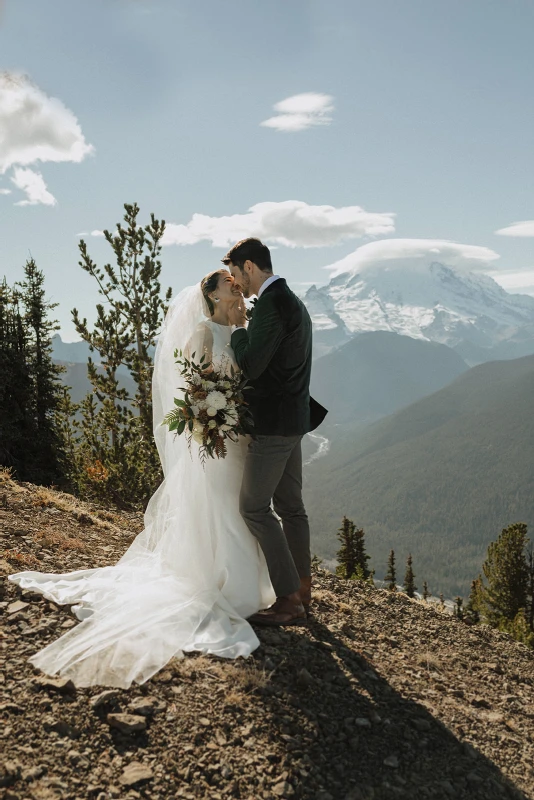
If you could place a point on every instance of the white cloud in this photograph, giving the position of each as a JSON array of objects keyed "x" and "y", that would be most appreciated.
[
  {"x": 521, "y": 282},
  {"x": 5, "y": 191},
  {"x": 97, "y": 233},
  {"x": 525, "y": 228},
  {"x": 33, "y": 184},
  {"x": 301, "y": 111},
  {"x": 35, "y": 127},
  {"x": 291, "y": 223},
  {"x": 408, "y": 254}
]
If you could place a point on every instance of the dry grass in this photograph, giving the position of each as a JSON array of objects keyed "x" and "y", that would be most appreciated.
[
  {"x": 48, "y": 498},
  {"x": 428, "y": 660},
  {"x": 248, "y": 678},
  {"x": 56, "y": 539},
  {"x": 48, "y": 538},
  {"x": 8, "y": 482},
  {"x": 21, "y": 559}
]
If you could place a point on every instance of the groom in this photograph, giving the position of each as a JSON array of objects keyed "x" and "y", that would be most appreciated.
[{"x": 275, "y": 353}]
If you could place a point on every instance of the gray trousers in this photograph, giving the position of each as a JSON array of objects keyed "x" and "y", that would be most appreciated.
[{"x": 273, "y": 471}]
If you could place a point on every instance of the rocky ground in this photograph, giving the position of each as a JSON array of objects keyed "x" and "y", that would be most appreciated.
[{"x": 381, "y": 697}]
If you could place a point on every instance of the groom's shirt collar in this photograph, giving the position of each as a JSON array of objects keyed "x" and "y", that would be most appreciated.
[{"x": 267, "y": 283}]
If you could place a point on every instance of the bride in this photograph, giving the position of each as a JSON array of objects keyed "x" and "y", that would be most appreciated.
[{"x": 195, "y": 573}]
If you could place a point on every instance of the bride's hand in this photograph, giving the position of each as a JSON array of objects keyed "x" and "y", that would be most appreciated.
[{"x": 237, "y": 314}]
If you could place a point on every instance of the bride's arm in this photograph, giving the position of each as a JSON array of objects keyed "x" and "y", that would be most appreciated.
[{"x": 200, "y": 344}]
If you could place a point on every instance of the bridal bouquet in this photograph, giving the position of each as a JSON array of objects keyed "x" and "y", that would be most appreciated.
[{"x": 213, "y": 409}]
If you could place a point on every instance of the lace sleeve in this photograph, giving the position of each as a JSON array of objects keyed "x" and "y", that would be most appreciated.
[{"x": 200, "y": 344}]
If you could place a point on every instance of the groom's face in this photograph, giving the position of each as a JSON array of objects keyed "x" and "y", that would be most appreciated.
[{"x": 241, "y": 280}]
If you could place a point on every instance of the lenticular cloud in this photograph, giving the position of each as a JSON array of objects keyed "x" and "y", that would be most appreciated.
[
  {"x": 413, "y": 255},
  {"x": 35, "y": 127}
]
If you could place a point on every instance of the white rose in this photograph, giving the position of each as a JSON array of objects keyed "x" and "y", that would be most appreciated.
[
  {"x": 216, "y": 400},
  {"x": 208, "y": 385},
  {"x": 225, "y": 427},
  {"x": 212, "y": 424},
  {"x": 195, "y": 410},
  {"x": 212, "y": 412}
]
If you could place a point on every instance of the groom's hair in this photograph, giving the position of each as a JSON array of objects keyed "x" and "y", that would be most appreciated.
[{"x": 249, "y": 250}]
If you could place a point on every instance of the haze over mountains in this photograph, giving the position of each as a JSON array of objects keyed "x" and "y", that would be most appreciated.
[
  {"x": 439, "y": 478},
  {"x": 375, "y": 374}
]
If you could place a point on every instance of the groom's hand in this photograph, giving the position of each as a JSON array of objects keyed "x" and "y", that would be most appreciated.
[{"x": 237, "y": 315}]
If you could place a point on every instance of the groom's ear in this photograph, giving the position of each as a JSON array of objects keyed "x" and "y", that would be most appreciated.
[{"x": 248, "y": 266}]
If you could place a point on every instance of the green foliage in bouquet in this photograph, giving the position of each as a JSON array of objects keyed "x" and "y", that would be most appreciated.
[{"x": 213, "y": 408}]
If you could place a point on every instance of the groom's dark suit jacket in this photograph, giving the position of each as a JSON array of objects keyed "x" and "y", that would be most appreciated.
[{"x": 275, "y": 354}]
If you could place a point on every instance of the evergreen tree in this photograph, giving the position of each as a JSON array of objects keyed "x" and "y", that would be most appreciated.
[
  {"x": 30, "y": 389},
  {"x": 441, "y": 600},
  {"x": 44, "y": 374},
  {"x": 409, "y": 579},
  {"x": 459, "y": 608},
  {"x": 507, "y": 573},
  {"x": 426, "y": 593},
  {"x": 472, "y": 609},
  {"x": 530, "y": 606},
  {"x": 391, "y": 577},
  {"x": 346, "y": 555},
  {"x": 17, "y": 429},
  {"x": 117, "y": 432},
  {"x": 352, "y": 558},
  {"x": 362, "y": 571}
]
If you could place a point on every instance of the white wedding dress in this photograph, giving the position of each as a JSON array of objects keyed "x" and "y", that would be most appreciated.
[{"x": 193, "y": 575}]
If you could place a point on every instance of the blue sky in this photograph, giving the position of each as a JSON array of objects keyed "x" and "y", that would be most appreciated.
[{"x": 426, "y": 115}]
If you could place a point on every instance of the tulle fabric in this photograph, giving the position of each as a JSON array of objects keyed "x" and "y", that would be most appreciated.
[{"x": 193, "y": 575}]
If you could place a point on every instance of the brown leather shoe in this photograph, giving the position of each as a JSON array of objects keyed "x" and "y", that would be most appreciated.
[
  {"x": 305, "y": 593},
  {"x": 282, "y": 613}
]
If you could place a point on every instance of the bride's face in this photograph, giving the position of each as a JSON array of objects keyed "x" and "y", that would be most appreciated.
[
  {"x": 242, "y": 280},
  {"x": 227, "y": 290}
]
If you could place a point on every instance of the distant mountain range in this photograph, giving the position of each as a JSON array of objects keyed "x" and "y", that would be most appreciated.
[
  {"x": 439, "y": 478},
  {"x": 467, "y": 311},
  {"x": 375, "y": 374}
]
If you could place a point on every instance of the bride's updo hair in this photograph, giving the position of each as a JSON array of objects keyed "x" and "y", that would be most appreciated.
[{"x": 208, "y": 285}]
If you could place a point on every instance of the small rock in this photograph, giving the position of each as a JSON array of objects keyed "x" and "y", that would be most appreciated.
[
  {"x": 474, "y": 778},
  {"x": 421, "y": 724},
  {"x": 376, "y": 718},
  {"x": 33, "y": 773},
  {"x": 127, "y": 723},
  {"x": 304, "y": 678},
  {"x": 146, "y": 706},
  {"x": 17, "y": 605},
  {"x": 62, "y": 728},
  {"x": 69, "y": 623},
  {"x": 135, "y": 773},
  {"x": 108, "y": 697},
  {"x": 480, "y": 702},
  {"x": 62, "y": 685},
  {"x": 10, "y": 772},
  {"x": 204, "y": 721},
  {"x": 283, "y": 789},
  {"x": 362, "y": 722},
  {"x": 391, "y": 761}
]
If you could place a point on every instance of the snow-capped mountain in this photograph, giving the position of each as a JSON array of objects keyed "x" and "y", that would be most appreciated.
[{"x": 435, "y": 302}]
